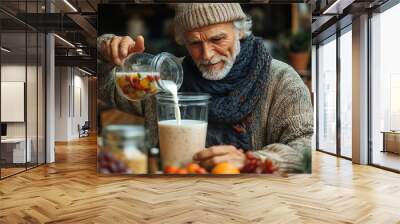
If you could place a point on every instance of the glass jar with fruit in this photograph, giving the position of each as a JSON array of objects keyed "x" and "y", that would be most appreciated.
[
  {"x": 123, "y": 151},
  {"x": 143, "y": 74}
]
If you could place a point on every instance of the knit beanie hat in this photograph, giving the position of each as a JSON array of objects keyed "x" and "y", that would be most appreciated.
[{"x": 189, "y": 16}]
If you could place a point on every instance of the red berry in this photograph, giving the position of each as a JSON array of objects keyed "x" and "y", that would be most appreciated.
[
  {"x": 150, "y": 78},
  {"x": 268, "y": 166}
]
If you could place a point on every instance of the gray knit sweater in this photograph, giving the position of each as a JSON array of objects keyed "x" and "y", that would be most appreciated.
[{"x": 284, "y": 115}]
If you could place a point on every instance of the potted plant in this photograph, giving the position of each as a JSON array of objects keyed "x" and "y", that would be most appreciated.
[{"x": 299, "y": 48}]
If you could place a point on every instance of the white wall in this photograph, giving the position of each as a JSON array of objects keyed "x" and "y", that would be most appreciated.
[
  {"x": 71, "y": 93},
  {"x": 12, "y": 73},
  {"x": 33, "y": 127},
  {"x": 16, "y": 73},
  {"x": 61, "y": 103}
]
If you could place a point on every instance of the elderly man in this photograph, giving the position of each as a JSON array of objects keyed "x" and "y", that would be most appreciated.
[{"x": 258, "y": 104}]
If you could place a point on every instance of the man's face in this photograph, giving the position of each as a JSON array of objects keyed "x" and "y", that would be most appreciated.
[{"x": 213, "y": 48}]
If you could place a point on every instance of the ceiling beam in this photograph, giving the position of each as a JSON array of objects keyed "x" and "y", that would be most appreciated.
[
  {"x": 89, "y": 30},
  {"x": 78, "y": 61}
]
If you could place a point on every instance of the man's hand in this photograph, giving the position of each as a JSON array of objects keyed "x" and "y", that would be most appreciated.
[
  {"x": 118, "y": 48},
  {"x": 217, "y": 154}
]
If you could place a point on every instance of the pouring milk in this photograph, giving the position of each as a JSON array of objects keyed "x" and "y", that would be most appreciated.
[{"x": 173, "y": 89}]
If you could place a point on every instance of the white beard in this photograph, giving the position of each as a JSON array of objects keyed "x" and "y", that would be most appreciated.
[{"x": 213, "y": 74}]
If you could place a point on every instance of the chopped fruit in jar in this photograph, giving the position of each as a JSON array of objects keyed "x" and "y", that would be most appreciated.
[
  {"x": 145, "y": 83},
  {"x": 153, "y": 88},
  {"x": 123, "y": 82},
  {"x": 136, "y": 85},
  {"x": 131, "y": 75},
  {"x": 150, "y": 78}
]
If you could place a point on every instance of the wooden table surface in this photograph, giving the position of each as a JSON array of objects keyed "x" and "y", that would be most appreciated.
[{"x": 70, "y": 191}]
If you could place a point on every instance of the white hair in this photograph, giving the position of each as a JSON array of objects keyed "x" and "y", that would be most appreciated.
[{"x": 242, "y": 25}]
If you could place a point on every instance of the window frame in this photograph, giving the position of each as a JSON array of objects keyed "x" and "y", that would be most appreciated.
[
  {"x": 347, "y": 27},
  {"x": 381, "y": 9}
]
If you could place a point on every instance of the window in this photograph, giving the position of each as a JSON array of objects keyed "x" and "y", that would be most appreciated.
[
  {"x": 385, "y": 88},
  {"x": 346, "y": 93},
  {"x": 22, "y": 77},
  {"x": 327, "y": 96}
]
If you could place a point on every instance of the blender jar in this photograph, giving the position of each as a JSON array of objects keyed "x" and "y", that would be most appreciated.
[
  {"x": 180, "y": 141},
  {"x": 143, "y": 74}
]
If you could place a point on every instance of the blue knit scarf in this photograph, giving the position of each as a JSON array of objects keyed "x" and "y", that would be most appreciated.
[{"x": 234, "y": 97}]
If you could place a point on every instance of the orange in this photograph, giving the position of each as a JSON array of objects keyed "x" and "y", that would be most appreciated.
[
  {"x": 170, "y": 170},
  {"x": 192, "y": 167},
  {"x": 225, "y": 168},
  {"x": 182, "y": 171}
]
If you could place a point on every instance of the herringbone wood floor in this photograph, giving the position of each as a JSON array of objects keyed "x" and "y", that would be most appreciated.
[{"x": 70, "y": 191}]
